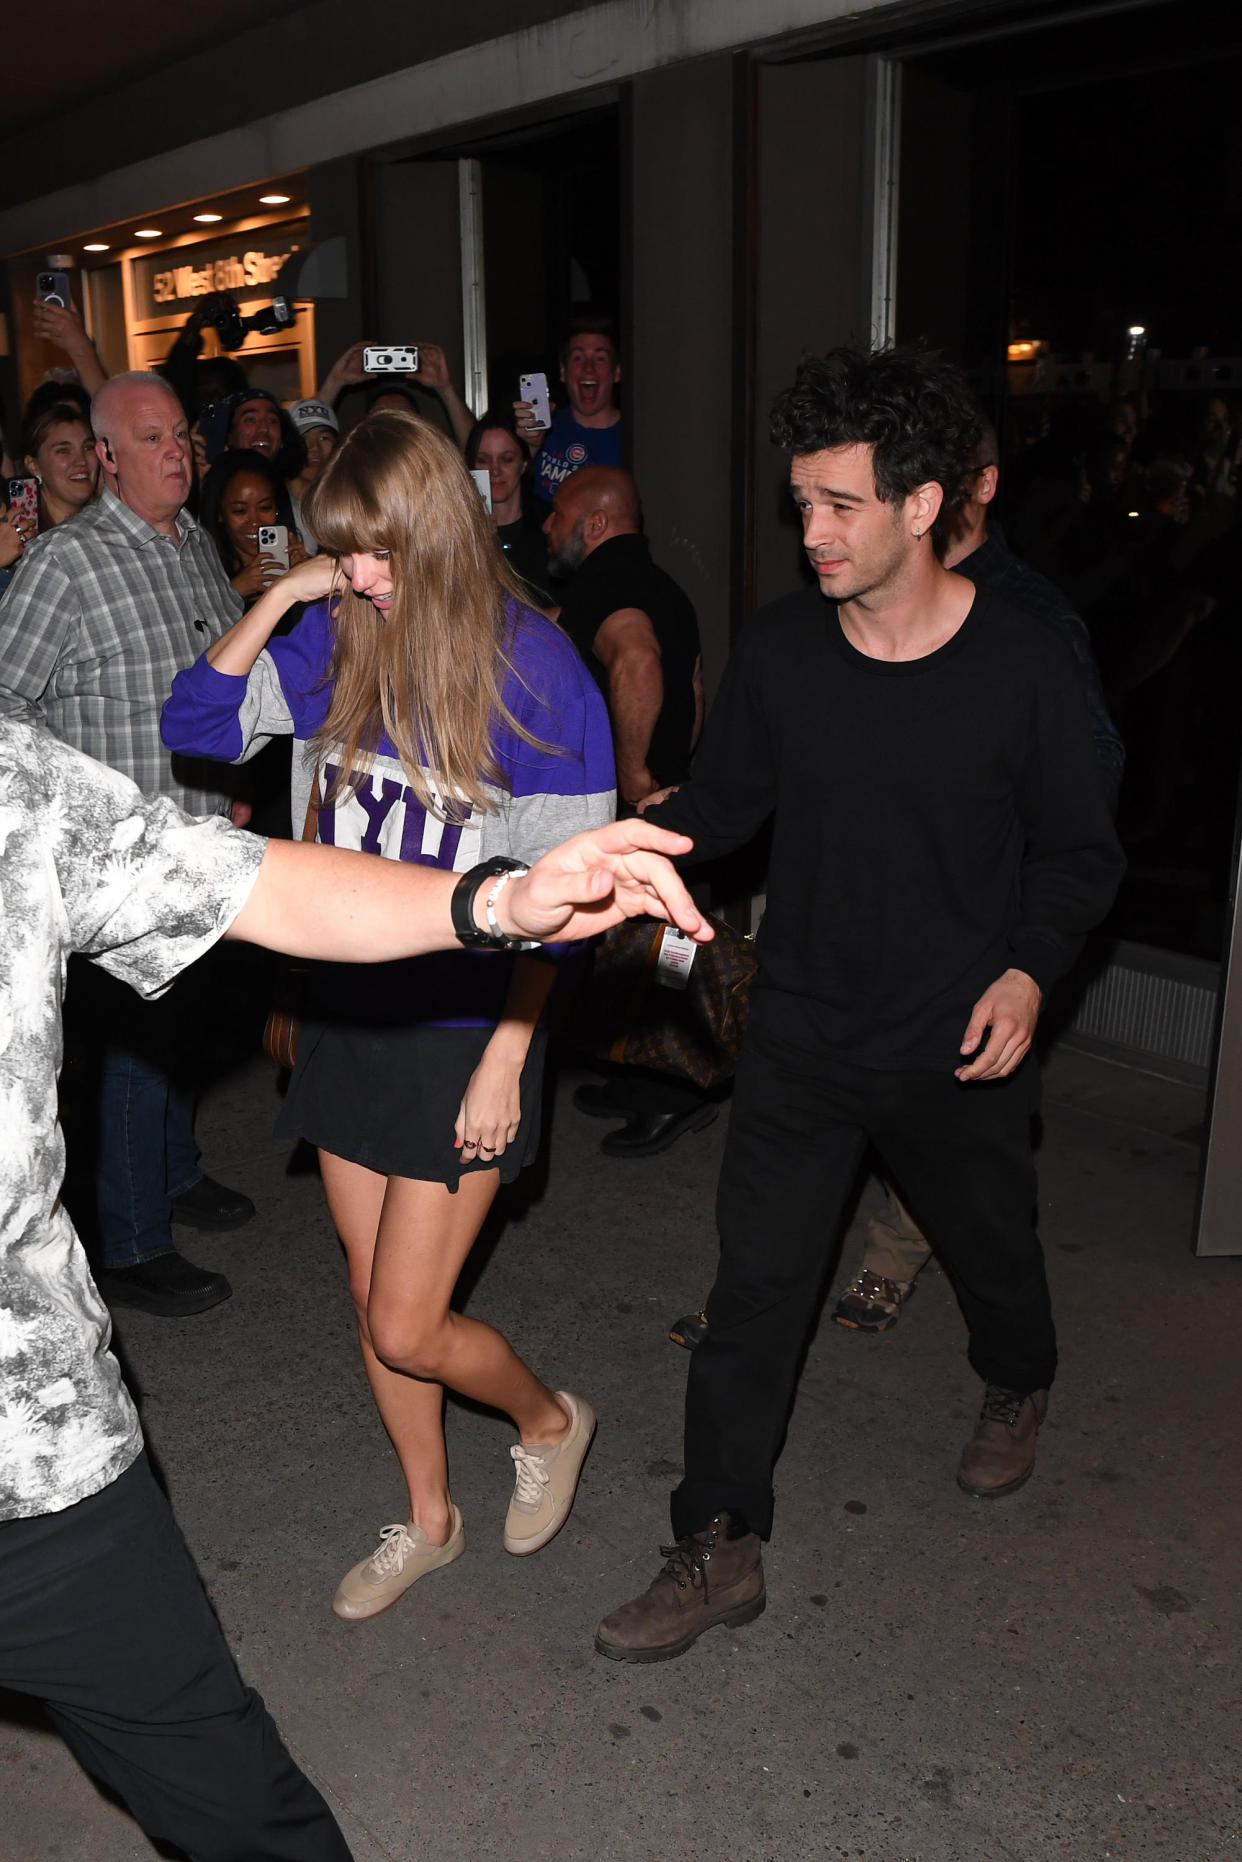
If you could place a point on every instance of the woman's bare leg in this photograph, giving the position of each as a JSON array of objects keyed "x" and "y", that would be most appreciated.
[
  {"x": 406, "y": 1242},
  {"x": 412, "y": 1411},
  {"x": 425, "y": 1233}
]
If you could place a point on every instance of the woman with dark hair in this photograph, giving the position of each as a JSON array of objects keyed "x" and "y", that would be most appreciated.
[
  {"x": 241, "y": 492},
  {"x": 437, "y": 719},
  {"x": 494, "y": 447},
  {"x": 58, "y": 448}
]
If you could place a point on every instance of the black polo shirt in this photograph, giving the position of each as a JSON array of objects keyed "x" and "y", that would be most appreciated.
[{"x": 620, "y": 574}]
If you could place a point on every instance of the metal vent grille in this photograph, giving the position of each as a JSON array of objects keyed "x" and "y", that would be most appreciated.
[{"x": 1138, "y": 1004}]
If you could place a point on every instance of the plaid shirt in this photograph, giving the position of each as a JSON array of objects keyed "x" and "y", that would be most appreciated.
[{"x": 101, "y": 615}]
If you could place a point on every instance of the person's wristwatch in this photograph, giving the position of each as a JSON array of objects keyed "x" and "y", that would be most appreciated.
[{"x": 498, "y": 871}]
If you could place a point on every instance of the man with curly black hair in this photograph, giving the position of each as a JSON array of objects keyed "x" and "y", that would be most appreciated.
[{"x": 941, "y": 845}]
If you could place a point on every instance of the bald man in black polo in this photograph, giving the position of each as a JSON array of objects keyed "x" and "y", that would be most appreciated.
[{"x": 637, "y": 631}]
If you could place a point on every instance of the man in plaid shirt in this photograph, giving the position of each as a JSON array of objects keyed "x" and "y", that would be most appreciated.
[{"x": 103, "y": 612}]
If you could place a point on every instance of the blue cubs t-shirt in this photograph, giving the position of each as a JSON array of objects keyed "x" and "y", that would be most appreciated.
[{"x": 567, "y": 447}]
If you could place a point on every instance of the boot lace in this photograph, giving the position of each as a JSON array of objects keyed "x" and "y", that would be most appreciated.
[
  {"x": 532, "y": 1476},
  {"x": 1002, "y": 1405},
  {"x": 395, "y": 1546},
  {"x": 689, "y": 1558}
]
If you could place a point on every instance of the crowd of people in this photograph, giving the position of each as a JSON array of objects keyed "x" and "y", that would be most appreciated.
[
  {"x": 461, "y": 690},
  {"x": 1133, "y": 510}
]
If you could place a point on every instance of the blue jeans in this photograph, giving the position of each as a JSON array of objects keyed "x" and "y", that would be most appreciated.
[
  {"x": 147, "y": 1061},
  {"x": 147, "y": 1154}
]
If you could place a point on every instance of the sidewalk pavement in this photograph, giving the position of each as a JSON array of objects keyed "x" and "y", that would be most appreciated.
[{"x": 936, "y": 1679}]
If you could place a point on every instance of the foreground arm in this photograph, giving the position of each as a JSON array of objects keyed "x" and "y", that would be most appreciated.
[{"x": 312, "y": 901}]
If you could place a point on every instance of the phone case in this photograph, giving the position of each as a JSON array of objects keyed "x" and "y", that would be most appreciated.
[
  {"x": 59, "y": 291},
  {"x": 24, "y": 499},
  {"x": 274, "y": 541}
]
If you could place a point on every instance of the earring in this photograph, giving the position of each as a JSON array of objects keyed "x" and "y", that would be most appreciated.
[{"x": 917, "y": 535}]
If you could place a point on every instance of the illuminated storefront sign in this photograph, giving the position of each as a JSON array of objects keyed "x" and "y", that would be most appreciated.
[{"x": 165, "y": 283}]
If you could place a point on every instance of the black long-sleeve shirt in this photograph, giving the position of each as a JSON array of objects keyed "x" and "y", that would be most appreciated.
[
  {"x": 994, "y": 565},
  {"x": 935, "y": 822}
]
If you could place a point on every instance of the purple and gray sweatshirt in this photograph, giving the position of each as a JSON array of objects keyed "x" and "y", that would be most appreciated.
[{"x": 547, "y": 794}]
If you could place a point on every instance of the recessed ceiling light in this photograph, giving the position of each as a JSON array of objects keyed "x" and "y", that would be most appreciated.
[
  {"x": 96, "y": 247},
  {"x": 148, "y": 232},
  {"x": 208, "y": 219},
  {"x": 275, "y": 200}
]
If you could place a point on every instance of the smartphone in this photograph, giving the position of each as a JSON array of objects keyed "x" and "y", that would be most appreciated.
[
  {"x": 53, "y": 288},
  {"x": 534, "y": 388},
  {"x": 483, "y": 479},
  {"x": 274, "y": 541},
  {"x": 24, "y": 500},
  {"x": 396, "y": 359}
]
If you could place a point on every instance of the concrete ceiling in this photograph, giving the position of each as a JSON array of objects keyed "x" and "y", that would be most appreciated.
[{"x": 101, "y": 48}]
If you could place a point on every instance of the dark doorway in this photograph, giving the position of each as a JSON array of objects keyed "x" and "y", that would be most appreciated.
[{"x": 551, "y": 239}]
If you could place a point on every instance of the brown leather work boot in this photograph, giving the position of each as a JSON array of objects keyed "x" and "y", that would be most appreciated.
[
  {"x": 1001, "y": 1453},
  {"x": 709, "y": 1579}
]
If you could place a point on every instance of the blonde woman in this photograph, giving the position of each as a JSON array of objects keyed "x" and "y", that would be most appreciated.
[{"x": 436, "y": 719}]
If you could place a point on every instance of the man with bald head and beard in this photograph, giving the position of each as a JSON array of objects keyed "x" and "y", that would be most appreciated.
[
  {"x": 101, "y": 615},
  {"x": 634, "y": 627},
  {"x": 639, "y": 636}
]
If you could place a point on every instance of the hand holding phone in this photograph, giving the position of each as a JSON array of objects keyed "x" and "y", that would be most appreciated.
[
  {"x": 534, "y": 392},
  {"x": 53, "y": 288},
  {"x": 11, "y": 544},
  {"x": 24, "y": 507},
  {"x": 391, "y": 359}
]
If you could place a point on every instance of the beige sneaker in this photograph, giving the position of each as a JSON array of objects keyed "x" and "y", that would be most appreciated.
[
  {"x": 547, "y": 1480},
  {"x": 401, "y": 1558}
]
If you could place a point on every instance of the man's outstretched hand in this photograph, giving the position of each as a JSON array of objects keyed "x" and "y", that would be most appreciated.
[
  {"x": 598, "y": 879},
  {"x": 1010, "y": 1008}
]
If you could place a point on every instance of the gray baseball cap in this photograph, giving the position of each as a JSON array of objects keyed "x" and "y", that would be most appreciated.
[{"x": 308, "y": 414}]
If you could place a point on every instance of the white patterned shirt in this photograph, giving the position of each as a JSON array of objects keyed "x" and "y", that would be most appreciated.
[
  {"x": 102, "y": 614},
  {"x": 87, "y": 864}
]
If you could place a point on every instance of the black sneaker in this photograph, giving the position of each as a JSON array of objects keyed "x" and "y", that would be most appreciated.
[
  {"x": 168, "y": 1286},
  {"x": 208, "y": 1204}
]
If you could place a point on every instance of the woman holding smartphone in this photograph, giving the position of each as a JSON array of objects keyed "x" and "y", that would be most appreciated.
[
  {"x": 436, "y": 719},
  {"x": 58, "y": 450},
  {"x": 242, "y": 493}
]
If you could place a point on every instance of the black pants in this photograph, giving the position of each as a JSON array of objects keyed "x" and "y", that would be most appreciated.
[
  {"x": 104, "y": 1619},
  {"x": 961, "y": 1156}
]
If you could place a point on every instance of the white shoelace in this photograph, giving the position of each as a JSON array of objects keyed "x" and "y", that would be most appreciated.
[
  {"x": 532, "y": 1476},
  {"x": 395, "y": 1546}
]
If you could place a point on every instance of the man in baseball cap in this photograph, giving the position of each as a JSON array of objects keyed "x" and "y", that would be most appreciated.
[{"x": 319, "y": 431}]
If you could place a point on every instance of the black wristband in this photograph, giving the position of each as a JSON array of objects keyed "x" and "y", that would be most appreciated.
[{"x": 461, "y": 905}]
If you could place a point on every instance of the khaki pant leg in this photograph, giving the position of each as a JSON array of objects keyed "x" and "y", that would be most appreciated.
[{"x": 896, "y": 1248}]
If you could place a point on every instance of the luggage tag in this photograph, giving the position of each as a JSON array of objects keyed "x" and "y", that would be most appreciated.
[{"x": 675, "y": 958}]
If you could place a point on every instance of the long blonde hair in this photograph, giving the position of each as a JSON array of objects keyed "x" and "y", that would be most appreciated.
[{"x": 430, "y": 673}]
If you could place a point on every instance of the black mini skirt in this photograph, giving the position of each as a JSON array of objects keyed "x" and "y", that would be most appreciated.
[{"x": 388, "y": 1098}]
